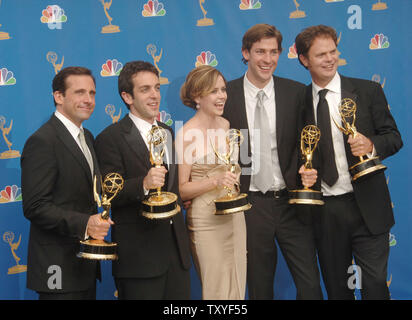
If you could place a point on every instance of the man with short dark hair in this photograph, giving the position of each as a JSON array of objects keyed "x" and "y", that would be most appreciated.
[
  {"x": 58, "y": 163},
  {"x": 269, "y": 107},
  {"x": 154, "y": 256},
  {"x": 357, "y": 215}
]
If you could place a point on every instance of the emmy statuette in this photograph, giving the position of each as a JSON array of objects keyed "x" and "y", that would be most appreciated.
[
  {"x": 347, "y": 111},
  {"x": 309, "y": 139},
  {"x": 231, "y": 203},
  {"x": 100, "y": 249},
  {"x": 159, "y": 204}
]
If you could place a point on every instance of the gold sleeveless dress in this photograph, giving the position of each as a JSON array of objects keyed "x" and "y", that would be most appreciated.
[{"x": 218, "y": 242}]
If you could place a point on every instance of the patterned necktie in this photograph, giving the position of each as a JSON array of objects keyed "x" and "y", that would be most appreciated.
[
  {"x": 329, "y": 172},
  {"x": 86, "y": 150},
  {"x": 263, "y": 178}
]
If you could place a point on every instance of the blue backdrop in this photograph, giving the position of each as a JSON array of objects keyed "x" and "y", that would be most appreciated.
[{"x": 38, "y": 38}]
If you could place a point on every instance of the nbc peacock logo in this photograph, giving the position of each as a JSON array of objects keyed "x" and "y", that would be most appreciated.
[
  {"x": 379, "y": 41},
  {"x": 10, "y": 194},
  {"x": 111, "y": 68},
  {"x": 6, "y": 77},
  {"x": 392, "y": 240},
  {"x": 249, "y": 4},
  {"x": 165, "y": 117},
  {"x": 153, "y": 8},
  {"x": 54, "y": 16},
  {"x": 293, "y": 53},
  {"x": 206, "y": 58}
]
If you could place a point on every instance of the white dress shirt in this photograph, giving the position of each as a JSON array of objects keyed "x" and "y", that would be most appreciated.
[
  {"x": 333, "y": 96},
  {"x": 73, "y": 129},
  {"x": 270, "y": 107}
]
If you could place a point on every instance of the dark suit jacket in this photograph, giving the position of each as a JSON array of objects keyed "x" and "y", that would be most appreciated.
[
  {"x": 289, "y": 98},
  {"x": 373, "y": 120},
  {"x": 144, "y": 245},
  {"x": 58, "y": 200}
]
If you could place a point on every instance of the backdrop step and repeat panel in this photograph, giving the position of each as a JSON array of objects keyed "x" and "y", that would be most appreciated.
[{"x": 38, "y": 38}]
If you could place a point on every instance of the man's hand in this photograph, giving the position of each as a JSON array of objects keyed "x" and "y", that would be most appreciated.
[
  {"x": 360, "y": 145},
  {"x": 97, "y": 228},
  {"x": 308, "y": 176},
  {"x": 155, "y": 178}
]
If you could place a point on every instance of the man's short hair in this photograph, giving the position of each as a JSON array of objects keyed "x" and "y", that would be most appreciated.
[
  {"x": 130, "y": 69},
  {"x": 259, "y": 32},
  {"x": 305, "y": 38}
]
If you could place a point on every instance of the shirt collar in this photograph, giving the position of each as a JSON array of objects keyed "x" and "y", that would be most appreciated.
[
  {"x": 142, "y": 125},
  {"x": 333, "y": 85},
  {"x": 73, "y": 129},
  {"x": 253, "y": 90}
]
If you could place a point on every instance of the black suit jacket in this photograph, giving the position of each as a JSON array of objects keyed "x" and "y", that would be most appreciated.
[
  {"x": 373, "y": 120},
  {"x": 144, "y": 245},
  {"x": 289, "y": 98},
  {"x": 58, "y": 200}
]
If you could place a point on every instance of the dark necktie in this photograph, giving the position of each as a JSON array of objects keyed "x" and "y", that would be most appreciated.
[{"x": 329, "y": 173}]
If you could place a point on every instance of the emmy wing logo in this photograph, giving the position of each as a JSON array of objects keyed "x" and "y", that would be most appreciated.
[
  {"x": 379, "y": 6},
  {"x": 297, "y": 13},
  {"x": 52, "y": 58},
  {"x": 165, "y": 117},
  {"x": 377, "y": 78},
  {"x": 111, "y": 68},
  {"x": 6, "y": 77},
  {"x": 54, "y": 17},
  {"x": 379, "y": 41},
  {"x": 153, "y": 9},
  {"x": 249, "y": 4},
  {"x": 10, "y": 194},
  {"x": 111, "y": 110},
  {"x": 8, "y": 237},
  {"x": 4, "y": 35},
  {"x": 204, "y": 21},
  {"x": 341, "y": 61},
  {"x": 206, "y": 58},
  {"x": 110, "y": 28},
  {"x": 9, "y": 154},
  {"x": 151, "y": 50},
  {"x": 292, "y": 54}
]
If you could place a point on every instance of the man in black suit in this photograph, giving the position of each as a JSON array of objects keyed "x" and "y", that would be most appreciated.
[
  {"x": 58, "y": 193},
  {"x": 154, "y": 256},
  {"x": 271, "y": 217},
  {"x": 357, "y": 215}
]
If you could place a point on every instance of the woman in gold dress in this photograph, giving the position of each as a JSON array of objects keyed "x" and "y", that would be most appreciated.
[{"x": 218, "y": 242}]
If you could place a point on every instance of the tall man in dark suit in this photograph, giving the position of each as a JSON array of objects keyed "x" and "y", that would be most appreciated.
[
  {"x": 256, "y": 98},
  {"x": 58, "y": 163},
  {"x": 154, "y": 256},
  {"x": 357, "y": 215}
]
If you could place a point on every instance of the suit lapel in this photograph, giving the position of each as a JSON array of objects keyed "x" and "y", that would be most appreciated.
[
  {"x": 280, "y": 105},
  {"x": 309, "y": 110},
  {"x": 89, "y": 142},
  {"x": 67, "y": 139},
  {"x": 135, "y": 141},
  {"x": 349, "y": 91},
  {"x": 238, "y": 110}
]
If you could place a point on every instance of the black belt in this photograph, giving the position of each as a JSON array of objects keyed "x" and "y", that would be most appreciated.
[
  {"x": 345, "y": 196},
  {"x": 271, "y": 194}
]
